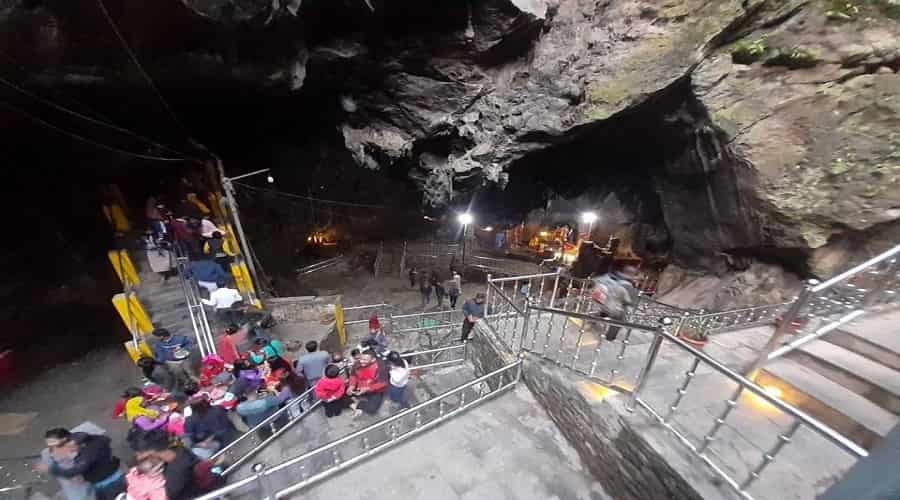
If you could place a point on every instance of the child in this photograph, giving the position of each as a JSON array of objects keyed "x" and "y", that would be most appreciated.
[
  {"x": 146, "y": 480},
  {"x": 331, "y": 390},
  {"x": 399, "y": 379}
]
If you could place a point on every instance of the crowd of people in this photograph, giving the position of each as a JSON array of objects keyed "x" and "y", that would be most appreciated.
[{"x": 181, "y": 417}]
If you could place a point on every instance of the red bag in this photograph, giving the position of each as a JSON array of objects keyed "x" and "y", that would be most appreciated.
[{"x": 204, "y": 478}]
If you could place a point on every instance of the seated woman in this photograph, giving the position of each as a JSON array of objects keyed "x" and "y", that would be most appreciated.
[
  {"x": 291, "y": 385},
  {"x": 255, "y": 407},
  {"x": 134, "y": 405},
  {"x": 212, "y": 365},
  {"x": 207, "y": 429},
  {"x": 271, "y": 351}
]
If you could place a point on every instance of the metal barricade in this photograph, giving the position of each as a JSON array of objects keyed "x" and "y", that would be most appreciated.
[
  {"x": 199, "y": 322},
  {"x": 242, "y": 449},
  {"x": 282, "y": 480},
  {"x": 743, "y": 395}
]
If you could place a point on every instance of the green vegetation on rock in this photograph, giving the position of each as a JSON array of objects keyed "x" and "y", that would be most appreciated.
[
  {"x": 841, "y": 10},
  {"x": 748, "y": 51},
  {"x": 795, "y": 58}
]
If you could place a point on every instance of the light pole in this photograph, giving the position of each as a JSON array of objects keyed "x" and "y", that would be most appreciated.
[
  {"x": 589, "y": 218},
  {"x": 232, "y": 205},
  {"x": 465, "y": 219}
]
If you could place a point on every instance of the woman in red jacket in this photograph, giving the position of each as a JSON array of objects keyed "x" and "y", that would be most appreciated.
[
  {"x": 368, "y": 384},
  {"x": 330, "y": 390}
]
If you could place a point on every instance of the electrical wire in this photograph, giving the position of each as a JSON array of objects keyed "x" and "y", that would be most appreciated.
[
  {"x": 308, "y": 198},
  {"x": 88, "y": 118},
  {"x": 85, "y": 139},
  {"x": 141, "y": 70}
]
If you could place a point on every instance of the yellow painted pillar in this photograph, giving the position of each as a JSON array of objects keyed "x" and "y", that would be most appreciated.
[
  {"x": 117, "y": 218},
  {"x": 124, "y": 267},
  {"x": 229, "y": 235},
  {"x": 133, "y": 314},
  {"x": 142, "y": 349},
  {"x": 339, "y": 324},
  {"x": 215, "y": 202}
]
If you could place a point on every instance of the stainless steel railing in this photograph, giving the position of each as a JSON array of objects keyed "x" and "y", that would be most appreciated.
[
  {"x": 250, "y": 443},
  {"x": 432, "y": 320},
  {"x": 823, "y": 307},
  {"x": 544, "y": 333},
  {"x": 299, "y": 472},
  {"x": 245, "y": 447},
  {"x": 199, "y": 322},
  {"x": 700, "y": 448}
]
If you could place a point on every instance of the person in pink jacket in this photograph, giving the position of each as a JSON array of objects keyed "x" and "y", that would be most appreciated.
[
  {"x": 146, "y": 481},
  {"x": 331, "y": 389}
]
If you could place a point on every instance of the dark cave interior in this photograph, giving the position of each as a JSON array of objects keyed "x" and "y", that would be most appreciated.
[{"x": 250, "y": 124}]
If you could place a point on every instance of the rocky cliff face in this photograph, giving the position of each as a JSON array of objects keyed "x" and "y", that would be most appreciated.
[{"x": 768, "y": 129}]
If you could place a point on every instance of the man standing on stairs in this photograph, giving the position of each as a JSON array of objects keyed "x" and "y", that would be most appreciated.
[
  {"x": 616, "y": 294},
  {"x": 473, "y": 310},
  {"x": 175, "y": 352}
]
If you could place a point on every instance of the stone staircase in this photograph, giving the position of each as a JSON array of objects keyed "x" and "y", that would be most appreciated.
[{"x": 848, "y": 379}]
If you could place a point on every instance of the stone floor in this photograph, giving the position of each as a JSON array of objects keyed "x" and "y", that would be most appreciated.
[{"x": 506, "y": 448}]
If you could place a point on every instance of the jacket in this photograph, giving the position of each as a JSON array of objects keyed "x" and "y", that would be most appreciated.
[
  {"x": 164, "y": 350},
  {"x": 146, "y": 486},
  {"x": 134, "y": 408},
  {"x": 371, "y": 378},
  {"x": 95, "y": 461},
  {"x": 206, "y": 270},
  {"x": 214, "y": 423},
  {"x": 615, "y": 295},
  {"x": 254, "y": 412},
  {"x": 329, "y": 389}
]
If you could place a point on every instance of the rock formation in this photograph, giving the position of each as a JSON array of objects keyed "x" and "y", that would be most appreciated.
[{"x": 768, "y": 129}]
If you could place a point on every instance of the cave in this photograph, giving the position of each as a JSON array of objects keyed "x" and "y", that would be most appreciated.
[{"x": 502, "y": 107}]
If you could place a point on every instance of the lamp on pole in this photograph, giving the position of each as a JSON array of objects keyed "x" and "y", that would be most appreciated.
[
  {"x": 589, "y": 218},
  {"x": 465, "y": 219},
  {"x": 233, "y": 207}
]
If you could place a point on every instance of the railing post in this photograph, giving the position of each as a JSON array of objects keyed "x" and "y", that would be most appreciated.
[
  {"x": 555, "y": 286},
  {"x": 871, "y": 298},
  {"x": 259, "y": 470},
  {"x": 781, "y": 330},
  {"x": 645, "y": 371},
  {"x": 527, "y": 315}
]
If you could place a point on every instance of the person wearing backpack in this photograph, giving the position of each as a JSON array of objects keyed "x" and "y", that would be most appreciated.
[{"x": 616, "y": 295}]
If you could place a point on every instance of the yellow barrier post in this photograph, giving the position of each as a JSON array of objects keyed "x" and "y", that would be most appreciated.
[
  {"x": 143, "y": 349},
  {"x": 339, "y": 324},
  {"x": 133, "y": 314},
  {"x": 124, "y": 267}
]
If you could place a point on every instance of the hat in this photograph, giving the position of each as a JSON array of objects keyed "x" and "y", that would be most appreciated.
[{"x": 374, "y": 324}]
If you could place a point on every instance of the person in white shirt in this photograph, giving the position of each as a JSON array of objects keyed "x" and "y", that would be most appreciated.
[
  {"x": 225, "y": 300},
  {"x": 399, "y": 379}
]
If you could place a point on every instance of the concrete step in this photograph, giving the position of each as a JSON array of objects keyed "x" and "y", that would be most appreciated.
[
  {"x": 864, "y": 345},
  {"x": 852, "y": 415},
  {"x": 882, "y": 329},
  {"x": 870, "y": 379}
]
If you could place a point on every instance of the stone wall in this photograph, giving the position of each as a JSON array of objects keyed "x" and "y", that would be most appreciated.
[
  {"x": 618, "y": 447},
  {"x": 301, "y": 309}
]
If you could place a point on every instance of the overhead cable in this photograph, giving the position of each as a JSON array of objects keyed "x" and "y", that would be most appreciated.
[
  {"x": 308, "y": 198},
  {"x": 85, "y": 139}
]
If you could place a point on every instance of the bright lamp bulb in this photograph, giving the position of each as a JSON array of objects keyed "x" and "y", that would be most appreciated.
[
  {"x": 465, "y": 218},
  {"x": 270, "y": 179},
  {"x": 589, "y": 217}
]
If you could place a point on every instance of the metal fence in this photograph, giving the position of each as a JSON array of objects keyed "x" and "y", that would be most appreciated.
[
  {"x": 249, "y": 444},
  {"x": 286, "y": 478},
  {"x": 199, "y": 322},
  {"x": 824, "y": 307},
  {"x": 625, "y": 354},
  {"x": 746, "y": 393}
]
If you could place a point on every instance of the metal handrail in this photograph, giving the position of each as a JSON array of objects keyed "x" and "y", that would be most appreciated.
[
  {"x": 262, "y": 425},
  {"x": 524, "y": 277},
  {"x": 856, "y": 270},
  {"x": 822, "y": 429},
  {"x": 307, "y": 396},
  {"x": 333, "y": 446},
  {"x": 205, "y": 340}
]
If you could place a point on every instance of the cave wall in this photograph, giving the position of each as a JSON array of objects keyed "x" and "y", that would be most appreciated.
[{"x": 763, "y": 129}]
